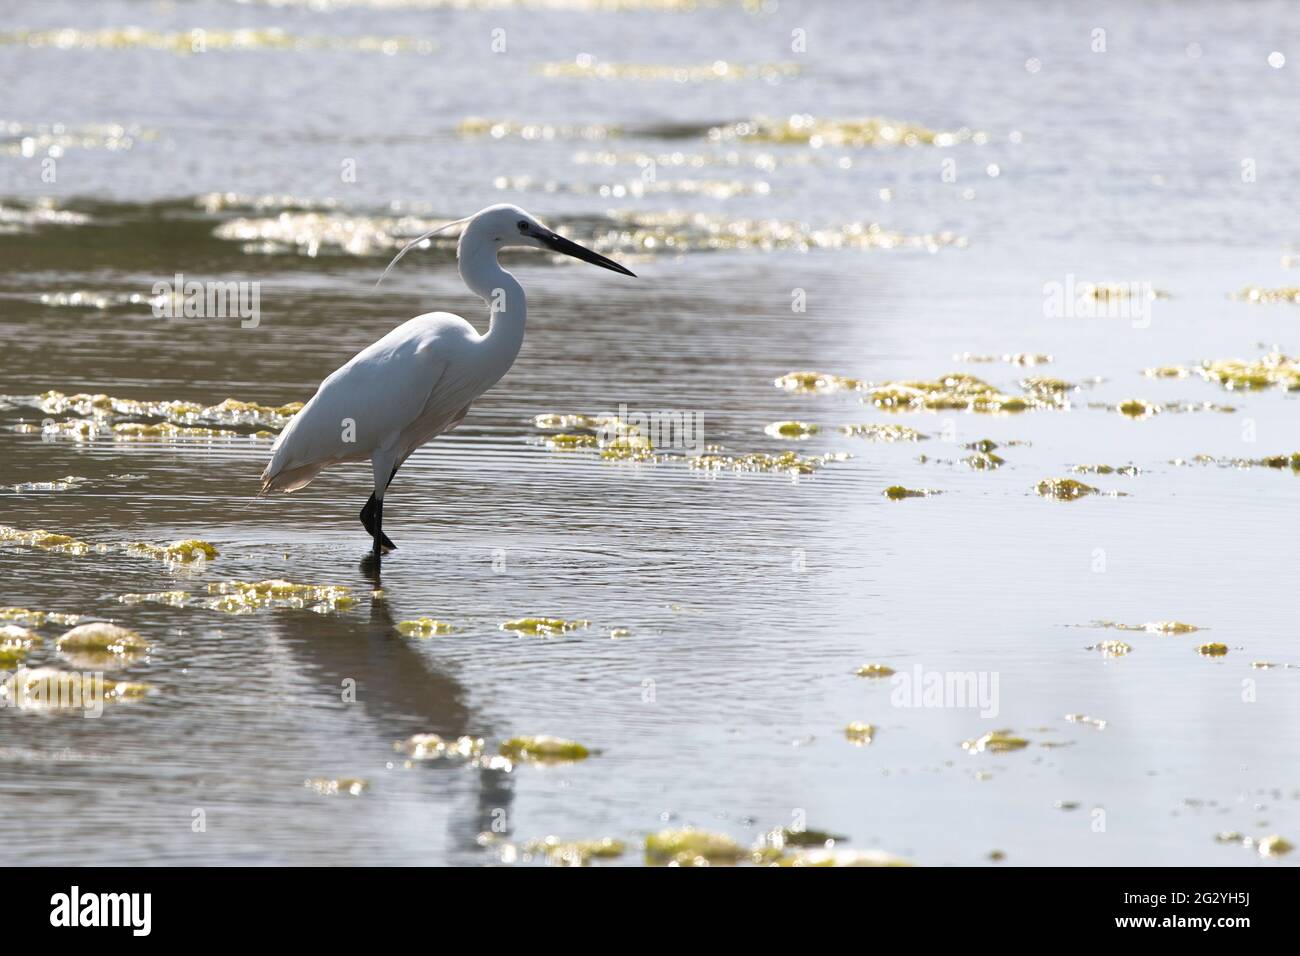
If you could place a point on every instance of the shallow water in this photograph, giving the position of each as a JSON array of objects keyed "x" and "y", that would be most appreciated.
[{"x": 749, "y": 599}]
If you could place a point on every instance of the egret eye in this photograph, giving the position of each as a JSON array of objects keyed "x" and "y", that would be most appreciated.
[{"x": 523, "y": 225}]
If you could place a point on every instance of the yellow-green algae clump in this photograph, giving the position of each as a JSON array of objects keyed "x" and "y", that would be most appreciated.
[
  {"x": 15, "y": 643},
  {"x": 1064, "y": 489},
  {"x": 956, "y": 391},
  {"x": 575, "y": 852},
  {"x": 879, "y": 432},
  {"x": 688, "y": 846},
  {"x": 860, "y": 734},
  {"x": 334, "y": 787},
  {"x": 810, "y": 383},
  {"x": 183, "y": 552},
  {"x": 1274, "y": 845},
  {"x": 424, "y": 627},
  {"x": 1213, "y": 649},
  {"x": 543, "y": 749},
  {"x": 37, "y": 618},
  {"x": 787, "y": 462},
  {"x": 543, "y": 626},
  {"x": 791, "y": 430},
  {"x": 1152, "y": 627},
  {"x": 240, "y": 597},
  {"x": 842, "y": 857},
  {"x": 169, "y": 598},
  {"x": 874, "y": 670},
  {"x": 817, "y": 132},
  {"x": 48, "y": 688},
  {"x": 45, "y": 540},
  {"x": 898, "y": 492},
  {"x": 100, "y": 638},
  {"x": 995, "y": 741},
  {"x": 434, "y": 747},
  {"x": 1112, "y": 648}
]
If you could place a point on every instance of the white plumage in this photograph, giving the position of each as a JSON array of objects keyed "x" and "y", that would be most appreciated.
[{"x": 419, "y": 380}]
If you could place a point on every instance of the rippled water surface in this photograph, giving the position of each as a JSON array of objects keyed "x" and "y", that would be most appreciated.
[{"x": 954, "y": 162}]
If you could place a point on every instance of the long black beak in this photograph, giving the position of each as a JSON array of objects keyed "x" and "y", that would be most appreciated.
[{"x": 570, "y": 248}]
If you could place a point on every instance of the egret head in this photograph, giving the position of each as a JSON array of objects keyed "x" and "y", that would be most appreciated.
[
  {"x": 505, "y": 225},
  {"x": 498, "y": 227}
]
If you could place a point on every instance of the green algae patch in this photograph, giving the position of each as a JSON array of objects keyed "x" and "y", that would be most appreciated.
[
  {"x": 816, "y": 383},
  {"x": 102, "y": 638},
  {"x": 795, "y": 431},
  {"x": 1027, "y": 359},
  {"x": 575, "y": 852},
  {"x": 1274, "y": 846},
  {"x": 1130, "y": 471},
  {"x": 874, "y": 670},
  {"x": 1213, "y": 649},
  {"x": 434, "y": 747},
  {"x": 1053, "y": 389},
  {"x": 1151, "y": 627},
  {"x": 956, "y": 391},
  {"x": 15, "y": 644},
  {"x": 554, "y": 421},
  {"x": 898, "y": 492},
  {"x": 1064, "y": 489},
  {"x": 860, "y": 734},
  {"x": 424, "y": 627},
  {"x": 995, "y": 741},
  {"x": 181, "y": 552},
  {"x": 1096, "y": 722},
  {"x": 886, "y": 433},
  {"x": 51, "y": 689},
  {"x": 1112, "y": 648},
  {"x": 336, "y": 787},
  {"x": 568, "y": 442},
  {"x": 543, "y": 626},
  {"x": 1257, "y": 294},
  {"x": 842, "y": 857},
  {"x": 818, "y": 132},
  {"x": 1273, "y": 370},
  {"x": 242, "y": 597},
  {"x": 688, "y": 846},
  {"x": 45, "y": 540},
  {"x": 984, "y": 461},
  {"x": 787, "y": 462},
  {"x": 105, "y": 414},
  {"x": 24, "y": 615},
  {"x": 543, "y": 749},
  {"x": 168, "y": 598}
]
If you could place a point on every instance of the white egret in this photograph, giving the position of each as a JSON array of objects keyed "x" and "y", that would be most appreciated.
[{"x": 418, "y": 381}]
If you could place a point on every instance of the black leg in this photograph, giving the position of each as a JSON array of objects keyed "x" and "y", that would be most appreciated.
[
  {"x": 368, "y": 520},
  {"x": 379, "y": 530}
]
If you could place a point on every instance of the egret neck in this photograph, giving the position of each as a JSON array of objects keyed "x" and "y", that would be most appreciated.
[{"x": 507, "y": 306}]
